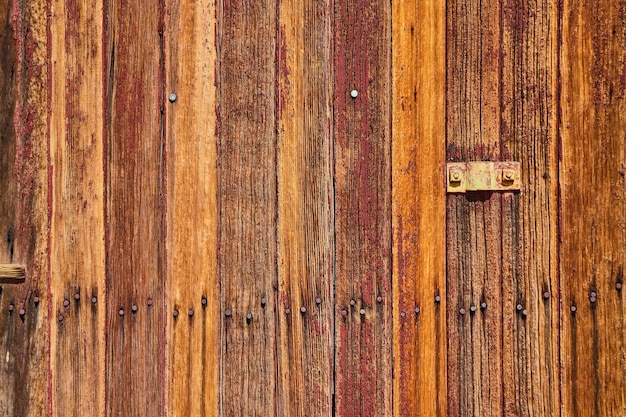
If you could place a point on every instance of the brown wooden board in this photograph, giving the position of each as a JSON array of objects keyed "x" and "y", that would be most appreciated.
[
  {"x": 593, "y": 199},
  {"x": 135, "y": 246},
  {"x": 305, "y": 209},
  {"x": 192, "y": 289},
  {"x": 247, "y": 202},
  {"x": 419, "y": 208},
  {"x": 474, "y": 255},
  {"x": 362, "y": 149},
  {"x": 24, "y": 207},
  {"x": 528, "y": 133},
  {"x": 77, "y": 269}
]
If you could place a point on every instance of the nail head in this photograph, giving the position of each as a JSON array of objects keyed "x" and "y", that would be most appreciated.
[
  {"x": 204, "y": 301},
  {"x": 379, "y": 299},
  {"x": 437, "y": 299},
  {"x": 462, "y": 311},
  {"x": 403, "y": 314},
  {"x": 190, "y": 312},
  {"x": 287, "y": 311},
  {"x": 318, "y": 301},
  {"x": 546, "y": 295},
  {"x": 344, "y": 312},
  {"x": 572, "y": 308},
  {"x": 354, "y": 93},
  {"x": 483, "y": 305},
  {"x": 134, "y": 308},
  {"x": 352, "y": 302},
  {"x": 519, "y": 307},
  {"x": 303, "y": 309},
  {"x": 618, "y": 286},
  {"x": 149, "y": 302},
  {"x": 36, "y": 300},
  {"x": 473, "y": 309},
  {"x": 362, "y": 311},
  {"x": 77, "y": 296},
  {"x": 417, "y": 310},
  {"x": 263, "y": 302},
  {"x": 94, "y": 300},
  {"x": 175, "y": 313},
  {"x": 66, "y": 303},
  {"x": 172, "y": 98},
  {"x": 228, "y": 313},
  {"x": 121, "y": 312},
  {"x": 22, "y": 312}
]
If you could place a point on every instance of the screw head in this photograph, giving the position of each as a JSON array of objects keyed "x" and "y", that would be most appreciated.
[
  {"x": 318, "y": 301},
  {"x": 524, "y": 312},
  {"x": 303, "y": 309},
  {"x": 546, "y": 295},
  {"x": 22, "y": 312},
  {"x": 572, "y": 308},
  {"x": 519, "y": 307},
  {"x": 417, "y": 310},
  {"x": 248, "y": 317},
  {"x": 352, "y": 302},
  {"x": 362, "y": 311},
  {"x": 508, "y": 175},
  {"x": 228, "y": 313},
  {"x": 149, "y": 302},
  {"x": 593, "y": 294},
  {"x": 462, "y": 311},
  {"x": 77, "y": 296},
  {"x": 593, "y": 299},
  {"x": 121, "y": 312},
  {"x": 437, "y": 299},
  {"x": 455, "y": 175},
  {"x": 379, "y": 299},
  {"x": 287, "y": 310},
  {"x": 473, "y": 309},
  {"x": 66, "y": 303},
  {"x": 60, "y": 317},
  {"x": 94, "y": 299},
  {"x": 204, "y": 301},
  {"x": 36, "y": 300},
  {"x": 172, "y": 98},
  {"x": 134, "y": 308},
  {"x": 354, "y": 93},
  {"x": 344, "y": 312},
  {"x": 483, "y": 305},
  {"x": 403, "y": 314}
]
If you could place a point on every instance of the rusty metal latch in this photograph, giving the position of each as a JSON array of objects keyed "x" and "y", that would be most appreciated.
[
  {"x": 483, "y": 176},
  {"x": 12, "y": 274}
]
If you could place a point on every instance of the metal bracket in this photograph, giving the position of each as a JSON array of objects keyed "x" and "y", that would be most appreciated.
[{"x": 483, "y": 176}]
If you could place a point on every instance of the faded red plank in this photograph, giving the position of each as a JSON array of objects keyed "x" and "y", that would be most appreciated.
[
  {"x": 134, "y": 207},
  {"x": 247, "y": 201},
  {"x": 24, "y": 207},
  {"x": 474, "y": 264},
  {"x": 363, "y": 344},
  {"x": 77, "y": 348},
  {"x": 305, "y": 217},
  {"x": 529, "y": 235},
  {"x": 419, "y": 246},
  {"x": 593, "y": 200}
]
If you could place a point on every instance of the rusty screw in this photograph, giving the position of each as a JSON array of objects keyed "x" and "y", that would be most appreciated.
[
  {"x": 455, "y": 175},
  {"x": 508, "y": 175}
]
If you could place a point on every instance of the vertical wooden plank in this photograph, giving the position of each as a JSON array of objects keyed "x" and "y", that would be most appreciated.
[
  {"x": 530, "y": 229},
  {"x": 77, "y": 347},
  {"x": 192, "y": 291},
  {"x": 134, "y": 208},
  {"x": 418, "y": 152},
  {"x": 24, "y": 213},
  {"x": 247, "y": 202},
  {"x": 474, "y": 220},
  {"x": 305, "y": 216},
  {"x": 363, "y": 334},
  {"x": 593, "y": 196}
]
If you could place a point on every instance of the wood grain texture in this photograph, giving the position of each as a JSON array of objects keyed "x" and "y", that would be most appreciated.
[
  {"x": 135, "y": 235},
  {"x": 192, "y": 288},
  {"x": 305, "y": 210},
  {"x": 77, "y": 269},
  {"x": 529, "y": 218},
  {"x": 593, "y": 196},
  {"x": 419, "y": 246},
  {"x": 24, "y": 207},
  {"x": 247, "y": 201},
  {"x": 474, "y": 254},
  {"x": 363, "y": 342}
]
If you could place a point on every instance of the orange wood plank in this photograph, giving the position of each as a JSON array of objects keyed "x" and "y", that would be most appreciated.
[
  {"x": 192, "y": 287},
  {"x": 593, "y": 196},
  {"x": 305, "y": 217},
  {"x": 419, "y": 247},
  {"x": 362, "y": 145},
  {"x": 247, "y": 200},
  {"x": 474, "y": 264},
  {"x": 135, "y": 237},
  {"x": 24, "y": 207},
  {"x": 77, "y": 269},
  {"x": 530, "y": 228}
]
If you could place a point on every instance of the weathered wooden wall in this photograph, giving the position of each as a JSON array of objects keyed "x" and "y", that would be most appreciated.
[{"x": 238, "y": 208}]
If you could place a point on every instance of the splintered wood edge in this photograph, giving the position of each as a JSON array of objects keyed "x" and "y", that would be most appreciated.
[{"x": 12, "y": 273}]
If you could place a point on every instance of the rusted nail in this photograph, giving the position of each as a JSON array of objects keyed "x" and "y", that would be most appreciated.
[
  {"x": 462, "y": 311},
  {"x": 572, "y": 308},
  {"x": 190, "y": 312},
  {"x": 402, "y": 314},
  {"x": 228, "y": 313},
  {"x": 344, "y": 312},
  {"x": 77, "y": 296},
  {"x": 352, "y": 302},
  {"x": 36, "y": 300},
  {"x": 362, "y": 311},
  {"x": 546, "y": 295},
  {"x": 204, "y": 301},
  {"x": 175, "y": 313},
  {"x": 121, "y": 312},
  {"x": 417, "y": 310},
  {"x": 60, "y": 317},
  {"x": 134, "y": 308},
  {"x": 473, "y": 308},
  {"x": 303, "y": 309},
  {"x": 249, "y": 317},
  {"x": 66, "y": 303},
  {"x": 483, "y": 306},
  {"x": 172, "y": 98},
  {"x": 94, "y": 299},
  {"x": 318, "y": 301},
  {"x": 519, "y": 307},
  {"x": 437, "y": 299},
  {"x": 263, "y": 302},
  {"x": 149, "y": 302},
  {"x": 287, "y": 310}
]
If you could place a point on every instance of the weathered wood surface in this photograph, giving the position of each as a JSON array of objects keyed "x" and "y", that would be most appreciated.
[
  {"x": 593, "y": 218},
  {"x": 24, "y": 335},
  {"x": 362, "y": 149},
  {"x": 305, "y": 209},
  {"x": 134, "y": 178},
  {"x": 474, "y": 253},
  {"x": 192, "y": 288},
  {"x": 247, "y": 202},
  {"x": 418, "y": 125},
  {"x": 528, "y": 134},
  {"x": 77, "y": 252}
]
